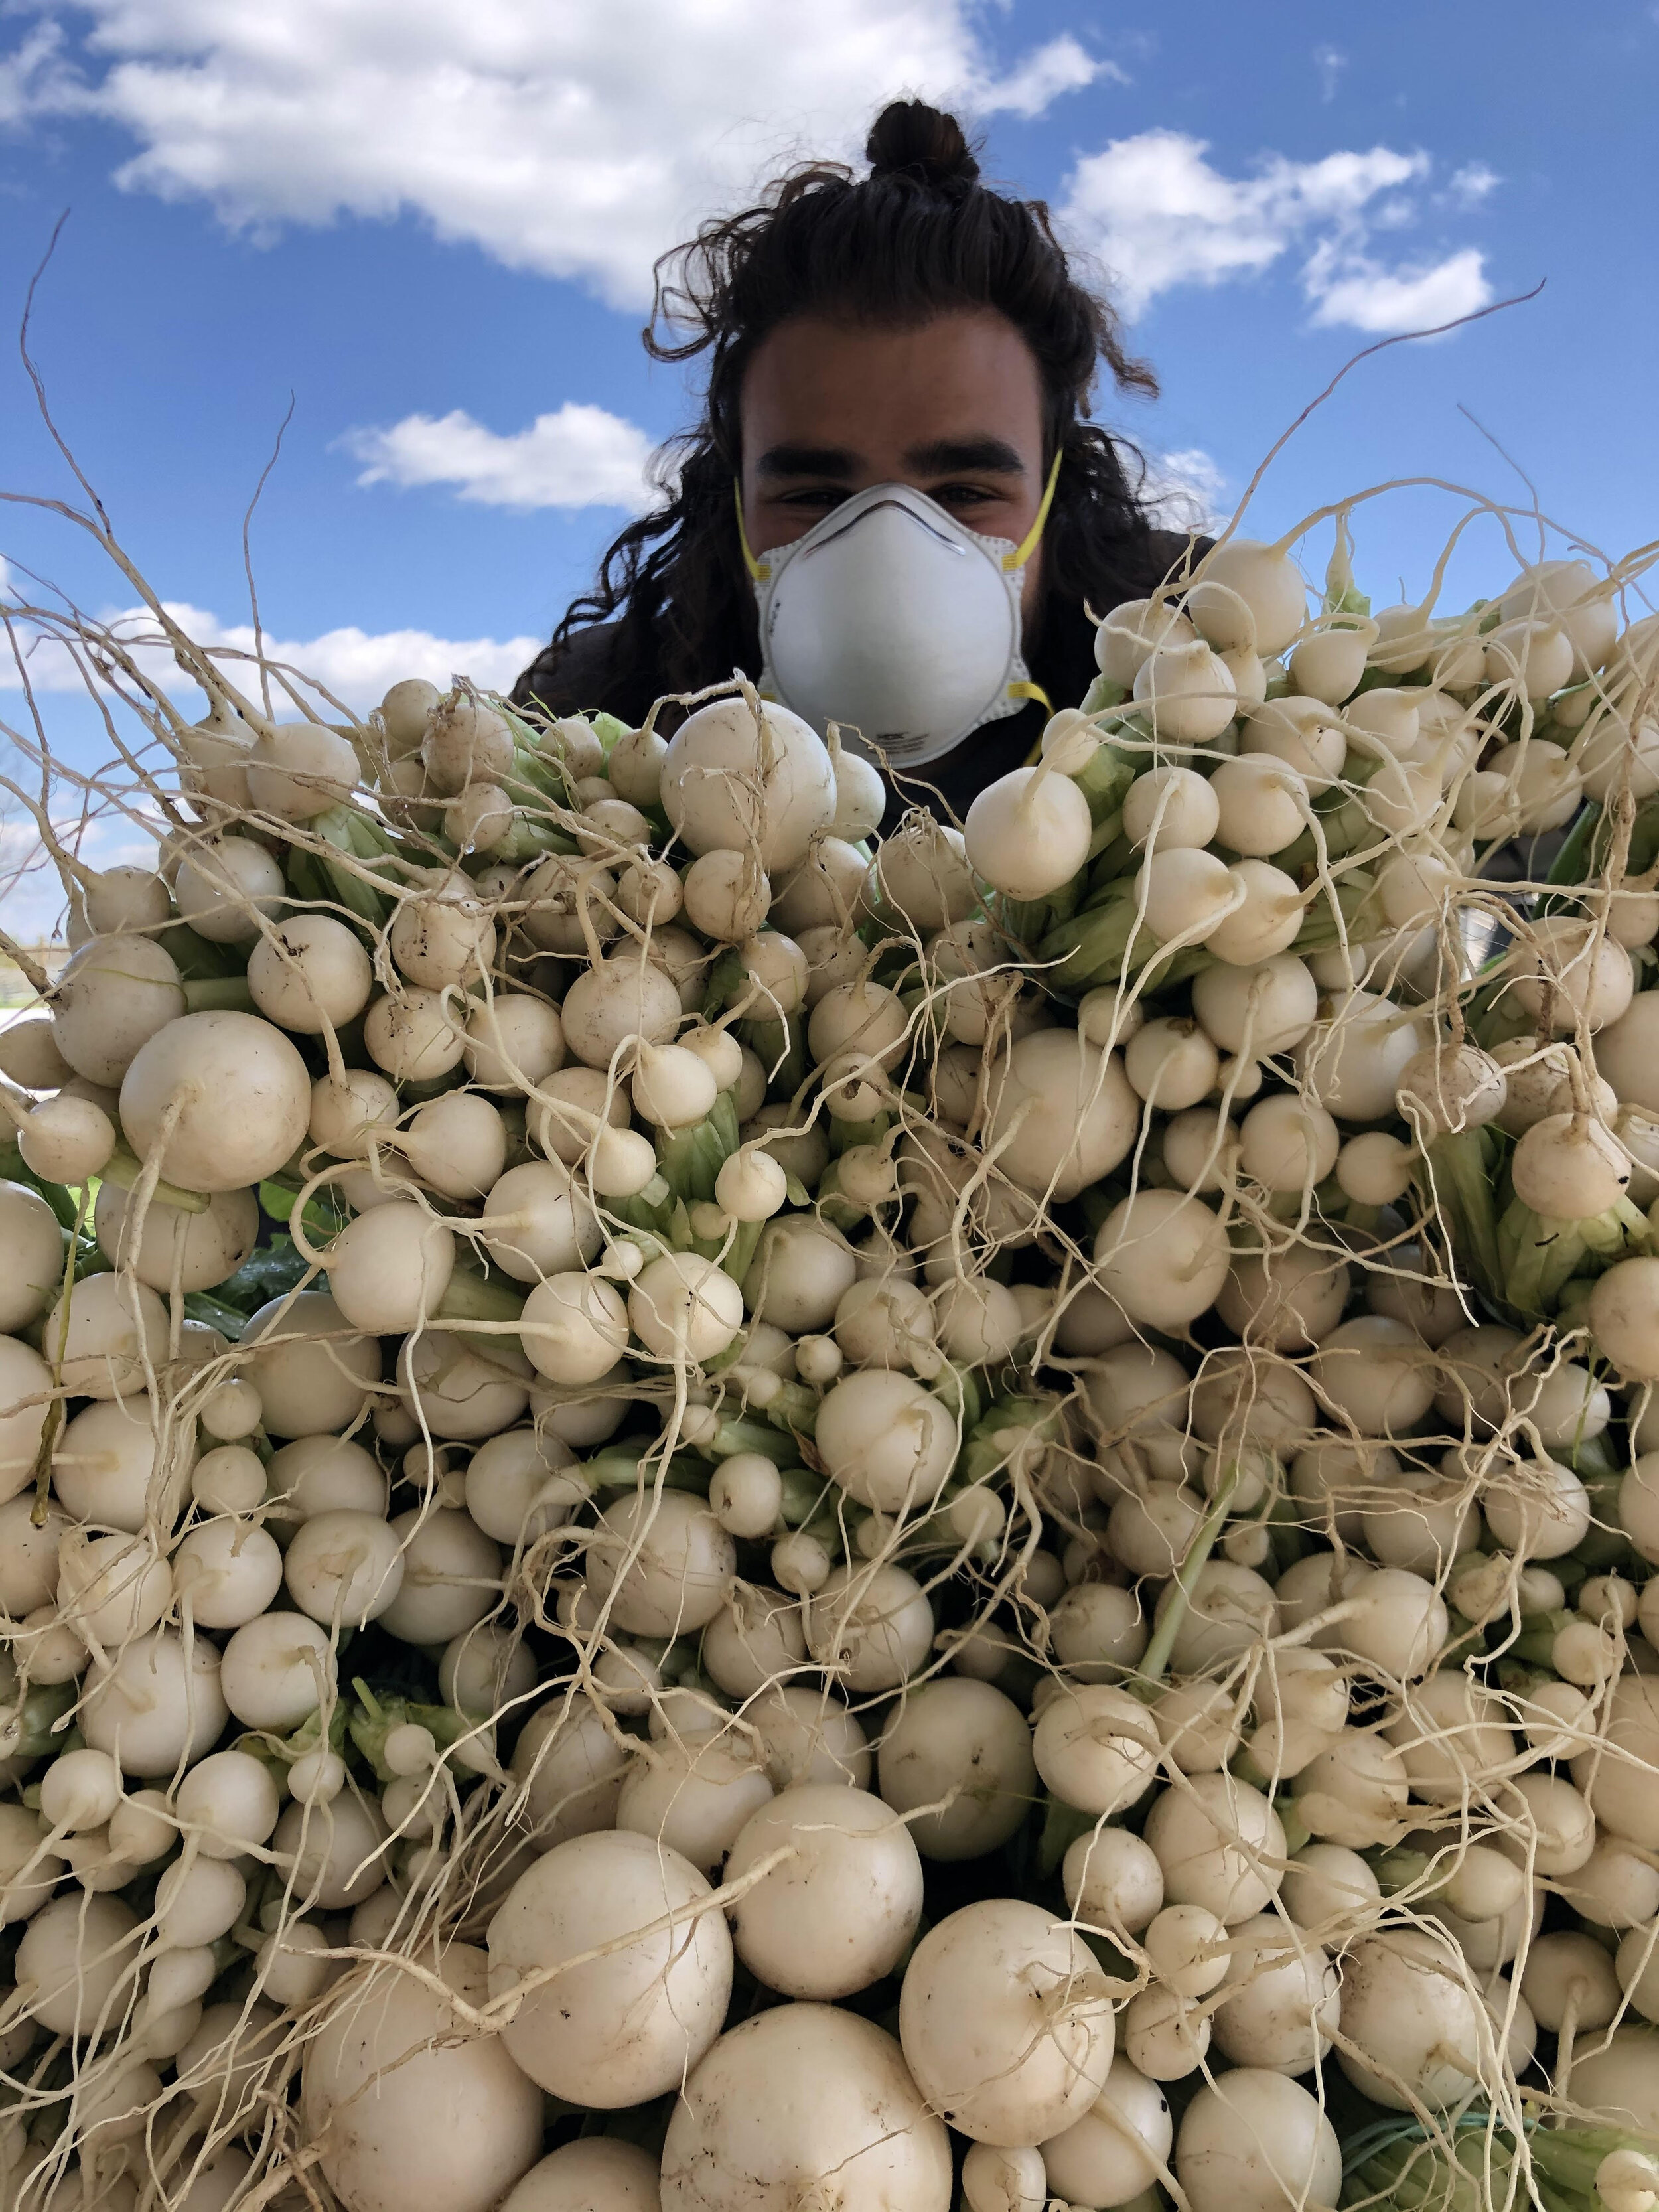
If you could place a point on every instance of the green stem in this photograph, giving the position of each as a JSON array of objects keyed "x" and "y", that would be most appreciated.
[
  {"x": 746, "y": 1237},
  {"x": 216, "y": 994},
  {"x": 122, "y": 1169},
  {"x": 1156, "y": 1658},
  {"x": 476, "y": 1297}
]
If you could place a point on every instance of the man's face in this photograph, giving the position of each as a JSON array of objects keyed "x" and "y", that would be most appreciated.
[{"x": 953, "y": 407}]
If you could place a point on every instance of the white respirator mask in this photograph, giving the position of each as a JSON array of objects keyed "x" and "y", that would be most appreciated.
[{"x": 894, "y": 620}]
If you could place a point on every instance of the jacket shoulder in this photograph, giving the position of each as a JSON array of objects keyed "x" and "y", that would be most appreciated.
[{"x": 572, "y": 677}]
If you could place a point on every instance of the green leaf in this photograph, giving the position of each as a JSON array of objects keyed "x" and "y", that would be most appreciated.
[{"x": 271, "y": 1273}]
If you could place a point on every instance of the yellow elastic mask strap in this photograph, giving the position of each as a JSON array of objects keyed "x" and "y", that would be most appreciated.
[
  {"x": 758, "y": 571},
  {"x": 1023, "y": 552}
]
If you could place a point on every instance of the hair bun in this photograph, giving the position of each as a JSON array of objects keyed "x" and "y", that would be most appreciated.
[{"x": 910, "y": 139}]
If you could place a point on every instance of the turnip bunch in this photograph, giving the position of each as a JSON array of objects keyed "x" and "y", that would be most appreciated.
[{"x": 796, "y": 1360}]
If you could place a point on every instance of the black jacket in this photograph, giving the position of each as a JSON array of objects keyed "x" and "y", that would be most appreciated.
[{"x": 581, "y": 674}]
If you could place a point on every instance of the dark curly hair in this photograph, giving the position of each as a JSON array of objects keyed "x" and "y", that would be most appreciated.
[{"x": 920, "y": 235}]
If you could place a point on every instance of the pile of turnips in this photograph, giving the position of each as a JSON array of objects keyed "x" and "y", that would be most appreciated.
[{"x": 703, "y": 1509}]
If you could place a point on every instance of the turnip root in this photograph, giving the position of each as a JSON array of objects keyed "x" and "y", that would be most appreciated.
[
  {"x": 1005, "y": 2022},
  {"x": 225, "y": 1096},
  {"x": 153, "y": 1706},
  {"x": 737, "y": 776},
  {"x": 887, "y": 1441},
  {"x": 595, "y": 2173},
  {"x": 625, "y": 2024},
  {"x": 663, "y": 1563},
  {"x": 1281, "y": 2002},
  {"x": 1415, "y": 2028},
  {"x": 114, "y": 994},
  {"x": 841, "y": 1912},
  {"x": 409, "y": 2112},
  {"x": 794, "y": 2095},
  {"x": 1220, "y": 1844},
  {"x": 870, "y": 1626},
  {"x": 693, "y": 1794},
  {"x": 1254, "y": 2141},
  {"x": 963, "y": 1748},
  {"x": 1029, "y": 833},
  {"x": 1112, "y": 2155}
]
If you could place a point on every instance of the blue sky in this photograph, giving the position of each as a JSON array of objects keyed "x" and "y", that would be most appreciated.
[{"x": 431, "y": 223}]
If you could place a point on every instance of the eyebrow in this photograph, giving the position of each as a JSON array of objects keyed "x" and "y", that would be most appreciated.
[
  {"x": 939, "y": 457},
  {"x": 969, "y": 456},
  {"x": 834, "y": 461}
]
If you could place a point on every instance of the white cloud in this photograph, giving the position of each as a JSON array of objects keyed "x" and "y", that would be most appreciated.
[
  {"x": 1328, "y": 62},
  {"x": 579, "y": 456},
  {"x": 1183, "y": 490},
  {"x": 1158, "y": 214},
  {"x": 26, "y": 73},
  {"x": 1354, "y": 289},
  {"x": 574, "y": 140},
  {"x": 1037, "y": 82},
  {"x": 1472, "y": 184},
  {"x": 357, "y": 666}
]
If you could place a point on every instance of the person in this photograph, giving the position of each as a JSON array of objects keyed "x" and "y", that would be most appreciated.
[{"x": 896, "y": 512}]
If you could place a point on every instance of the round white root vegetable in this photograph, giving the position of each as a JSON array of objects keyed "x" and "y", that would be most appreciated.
[
  {"x": 1112, "y": 2155},
  {"x": 1066, "y": 1111},
  {"x": 1220, "y": 1844},
  {"x": 1097, "y": 1747},
  {"x": 1186, "y": 692},
  {"x": 1280, "y": 2002},
  {"x": 310, "y": 974},
  {"x": 886, "y": 1440},
  {"x": 1249, "y": 595},
  {"x": 388, "y": 1268},
  {"x": 242, "y": 1093},
  {"x": 32, "y": 1243},
  {"x": 1163, "y": 1256},
  {"x": 664, "y": 1565},
  {"x": 82, "y": 1955},
  {"x": 413, "y": 2114},
  {"x": 26, "y": 1402},
  {"x": 1005, "y": 2022},
  {"x": 1618, "y": 2081},
  {"x": 964, "y": 1747},
  {"x": 871, "y": 1626},
  {"x": 595, "y": 2173},
  {"x": 1028, "y": 833},
  {"x": 179, "y": 1250},
  {"x": 692, "y": 1792},
  {"x": 276, "y": 1670},
  {"x": 840, "y": 1912},
  {"x": 109, "y": 1333},
  {"x": 1415, "y": 2028},
  {"x": 300, "y": 769},
  {"x": 733, "y": 778},
  {"x": 66, "y": 1140},
  {"x": 344, "y": 1568},
  {"x": 452, "y": 1575},
  {"x": 627, "y": 2025},
  {"x": 574, "y": 1327},
  {"x": 114, "y": 994},
  {"x": 798, "y": 2101},
  {"x": 1113, "y": 1881},
  {"x": 682, "y": 1307},
  {"x": 152, "y": 1707},
  {"x": 1255, "y": 2141}
]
